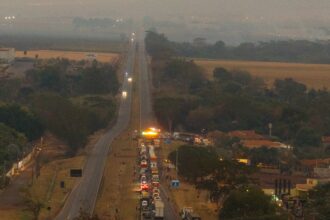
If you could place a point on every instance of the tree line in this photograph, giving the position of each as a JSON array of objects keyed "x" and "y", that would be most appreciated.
[{"x": 303, "y": 51}]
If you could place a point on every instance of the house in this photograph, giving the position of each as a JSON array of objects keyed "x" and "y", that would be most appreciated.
[
  {"x": 302, "y": 189},
  {"x": 321, "y": 172},
  {"x": 326, "y": 141},
  {"x": 312, "y": 163},
  {"x": 7, "y": 55}
]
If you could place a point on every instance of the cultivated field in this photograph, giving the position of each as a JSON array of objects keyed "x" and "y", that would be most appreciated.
[
  {"x": 72, "y": 55},
  {"x": 313, "y": 75}
]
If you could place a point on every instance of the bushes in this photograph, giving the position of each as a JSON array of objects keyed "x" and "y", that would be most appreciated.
[
  {"x": 99, "y": 80},
  {"x": 56, "y": 76}
]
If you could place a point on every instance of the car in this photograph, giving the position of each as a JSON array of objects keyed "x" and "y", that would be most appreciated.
[
  {"x": 155, "y": 178},
  {"x": 155, "y": 184},
  {"x": 143, "y": 171},
  {"x": 155, "y": 190},
  {"x": 144, "y": 187},
  {"x": 143, "y": 179},
  {"x": 144, "y": 163},
  {"x": 157, "y": 198},
  {"x": 155, "y": 194},
  {"x": 124, "y": 94},
  {"x": 144, "y": 204}
]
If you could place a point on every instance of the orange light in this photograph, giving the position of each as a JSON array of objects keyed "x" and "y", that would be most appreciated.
[{"x": 151, "y": 132}]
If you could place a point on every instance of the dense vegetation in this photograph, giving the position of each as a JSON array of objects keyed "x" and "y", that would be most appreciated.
[
  {"x": 70, "y": 99},
  {"x": 318, "y": 203},
  {"x": 58, "y": 76},
  {"x": 235, "y": 100},
  {"x": 249, "y": 203},
  {"x": 285, "y": 51}
]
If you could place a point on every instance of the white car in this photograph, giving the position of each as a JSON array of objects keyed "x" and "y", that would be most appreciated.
[
  {"x": 157, "y": 198},
  {"x": 155, "y": 190}
]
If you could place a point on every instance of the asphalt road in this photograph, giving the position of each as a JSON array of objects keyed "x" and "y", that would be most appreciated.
[
  {"x": 147, "y": 118},
  {"x": 84, "y": 195}
]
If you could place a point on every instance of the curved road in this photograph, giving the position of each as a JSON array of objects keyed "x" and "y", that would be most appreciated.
[{"x": 84, "y": 195}]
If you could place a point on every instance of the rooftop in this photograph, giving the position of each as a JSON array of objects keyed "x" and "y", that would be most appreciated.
[
  {"x": 263, "y": 143},
  {"x": 246, "y": 135},
  {"x": 326, "y": 139},
  {"x": 5, "y": 49}
]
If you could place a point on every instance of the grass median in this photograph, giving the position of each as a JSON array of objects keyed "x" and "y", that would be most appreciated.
[{"x": 117, "y": 198}]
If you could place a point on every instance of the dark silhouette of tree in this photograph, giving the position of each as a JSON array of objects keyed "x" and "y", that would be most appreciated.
[{"x": 248, "y": 203}]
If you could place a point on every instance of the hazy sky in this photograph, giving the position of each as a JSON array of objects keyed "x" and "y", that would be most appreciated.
[
  {"x": 277, "y": 17},
  {"x": 272, "y": 9}
]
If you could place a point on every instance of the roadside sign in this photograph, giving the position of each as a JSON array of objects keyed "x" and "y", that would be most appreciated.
[
  {"x": 167, "y": 141},
  {"x": 175, "y": 183},
  {"x": 75, "y": 172}
]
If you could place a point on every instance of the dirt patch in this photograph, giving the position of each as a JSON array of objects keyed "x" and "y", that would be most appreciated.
[{"x": 71, "y": 55}]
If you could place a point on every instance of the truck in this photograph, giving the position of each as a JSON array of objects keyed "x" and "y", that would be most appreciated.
[
  {"x": 159, "y": 209},
  {"x": 187, "y": 213}
]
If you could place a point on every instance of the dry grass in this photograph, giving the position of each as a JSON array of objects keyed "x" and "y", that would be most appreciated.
[
  {"x": 72, "y": 55},
  {"x": 313, "y": 75},
  {"x": 14, "y": 214},
  {"x": 47, "y": 186}
]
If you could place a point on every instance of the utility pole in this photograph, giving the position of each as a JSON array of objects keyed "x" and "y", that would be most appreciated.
[
  {"x": 176, "y": 162},
  {"x": 270, "y": 126},
  {"x": 4, "y": 172}
]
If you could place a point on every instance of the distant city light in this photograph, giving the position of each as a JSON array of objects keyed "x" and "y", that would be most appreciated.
[{"x": 10, "y": 17}]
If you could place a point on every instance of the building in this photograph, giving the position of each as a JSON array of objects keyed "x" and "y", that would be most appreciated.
[
  {"x": 326, "y": 141},
  {"x": 315, "y": 163},
  {"x": 7, "y": 55}
]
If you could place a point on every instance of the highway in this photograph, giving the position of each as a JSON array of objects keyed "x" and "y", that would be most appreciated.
[
  {"x": 147, "y": 118},
  {"x": 84, "y": 195}
]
